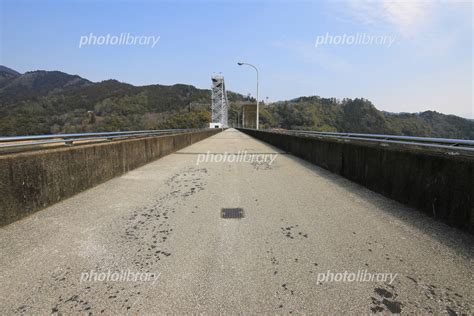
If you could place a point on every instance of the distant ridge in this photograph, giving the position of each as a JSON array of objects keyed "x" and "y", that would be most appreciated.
[
  {"x": 6, "y": 75},
  {"x": 43, "y": 102},
  {"x": 6, "y": 70}
]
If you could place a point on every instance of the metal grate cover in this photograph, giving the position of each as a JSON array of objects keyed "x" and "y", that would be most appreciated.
[{"x": 232, "y": 213}]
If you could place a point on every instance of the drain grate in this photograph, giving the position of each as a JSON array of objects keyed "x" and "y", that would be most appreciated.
[{"x": 232, "y": 213}]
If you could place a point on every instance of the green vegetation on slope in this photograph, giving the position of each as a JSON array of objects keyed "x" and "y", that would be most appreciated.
[
  {"x": 44, "y": 102},
  {"x": 360, "y": 116}
]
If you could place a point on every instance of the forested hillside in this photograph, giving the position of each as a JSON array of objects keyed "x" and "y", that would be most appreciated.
[
  {"x": 361, "y": 116},
  {"x": 43, "y": 102}
]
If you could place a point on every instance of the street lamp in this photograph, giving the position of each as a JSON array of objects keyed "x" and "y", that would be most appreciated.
[{"x": 240, "y": 64}]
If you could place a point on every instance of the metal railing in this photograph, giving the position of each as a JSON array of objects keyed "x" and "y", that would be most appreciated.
[
  {"x": 444, "y": 143},
  {"x": 27, "y": 142}
]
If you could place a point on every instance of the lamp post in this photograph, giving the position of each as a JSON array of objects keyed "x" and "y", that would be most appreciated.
[{"x": 240, "y": 64}]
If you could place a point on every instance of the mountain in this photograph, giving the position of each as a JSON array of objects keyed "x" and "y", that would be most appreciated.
[
  {"x": 39, "y": 83},
  {"x": 361, "y": 116},
  {"x": 44, "y": 102},
  {"x": 6, "y": 72},
  {"x": 7, "y": 75}
]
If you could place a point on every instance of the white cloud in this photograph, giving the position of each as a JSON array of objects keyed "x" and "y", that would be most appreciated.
[{"x": 408, "y": 17}]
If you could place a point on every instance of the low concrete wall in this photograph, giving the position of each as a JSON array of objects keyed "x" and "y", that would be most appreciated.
[
  {"x": 434, "y": 181},
  {"x": 34, "y": 180}
]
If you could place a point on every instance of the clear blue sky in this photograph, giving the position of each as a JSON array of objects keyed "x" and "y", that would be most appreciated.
[{"x": 429, "y": 66}]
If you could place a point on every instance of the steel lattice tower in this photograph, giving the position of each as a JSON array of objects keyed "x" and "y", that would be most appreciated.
[{"x": 220, "y": 105}]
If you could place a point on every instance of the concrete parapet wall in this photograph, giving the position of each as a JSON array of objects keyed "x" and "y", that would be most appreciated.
[
  {"x": 438, "y": 182},
  {"x": 33, "y": 180}
]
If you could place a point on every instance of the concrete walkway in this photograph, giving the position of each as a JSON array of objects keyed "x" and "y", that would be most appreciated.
[{"x": 162, "y": 223}]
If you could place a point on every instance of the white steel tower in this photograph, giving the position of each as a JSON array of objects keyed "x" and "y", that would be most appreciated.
[{"x": 220, "y": 105}]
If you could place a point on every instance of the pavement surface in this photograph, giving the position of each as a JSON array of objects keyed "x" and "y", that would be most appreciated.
[{"x": 154, "y": 241}]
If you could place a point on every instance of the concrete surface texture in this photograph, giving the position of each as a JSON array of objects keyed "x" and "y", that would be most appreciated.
[
  {"x": 153, "y": 241},
  {"x": 31, "y": 181},
  {"x": 438, "y": 182}
]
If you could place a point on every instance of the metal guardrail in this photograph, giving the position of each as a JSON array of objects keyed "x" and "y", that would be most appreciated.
[
  {"x": 25, "y": 142},
  {"x": 433, "y": 142}
]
